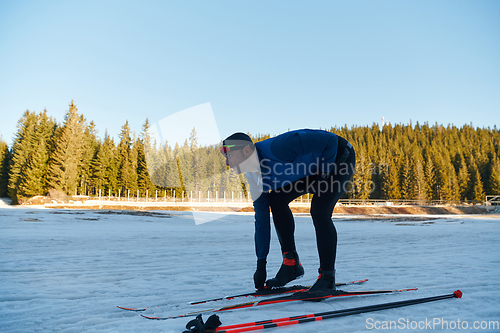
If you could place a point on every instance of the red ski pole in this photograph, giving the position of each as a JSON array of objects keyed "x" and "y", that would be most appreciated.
[{"x": 271, "y": 323}]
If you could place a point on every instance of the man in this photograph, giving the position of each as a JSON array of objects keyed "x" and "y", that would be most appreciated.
[{"x": 281, "y": 169}]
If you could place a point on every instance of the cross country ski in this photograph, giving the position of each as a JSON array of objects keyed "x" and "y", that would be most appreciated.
[
  {"x": 259, "y": 293},
  {"x": 300, "y": 296}
]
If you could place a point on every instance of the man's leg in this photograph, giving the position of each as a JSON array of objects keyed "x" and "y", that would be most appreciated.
[
  {"x": 283, "y": 217},
  {"x": 322, "y": 206},
  {"x": 327, "y": 194},
  {"x": 284, "y": 223}
]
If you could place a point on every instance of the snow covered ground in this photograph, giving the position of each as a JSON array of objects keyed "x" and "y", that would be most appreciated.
[{"x": 67, "y": 270}]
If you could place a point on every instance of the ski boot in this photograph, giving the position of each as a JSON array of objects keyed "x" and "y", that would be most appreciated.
[
  {"x": 325, "y": 285},
  {"x": 290, "y": 269}
]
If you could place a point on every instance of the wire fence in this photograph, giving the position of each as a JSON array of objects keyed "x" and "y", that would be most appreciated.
[{"x": 241, "y": 197}]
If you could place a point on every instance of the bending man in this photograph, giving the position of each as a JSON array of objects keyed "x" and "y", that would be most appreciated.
[{"x": 281, "y": 169}]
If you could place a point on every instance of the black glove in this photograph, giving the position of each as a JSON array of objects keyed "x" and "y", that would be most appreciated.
[
  {"x": 195, "y": 325},
  {"x": 259, "y": 277},
  {"x": 198, "y": 326}
]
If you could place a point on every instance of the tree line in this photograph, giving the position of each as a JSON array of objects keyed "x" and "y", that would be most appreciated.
[
  {"x": 48, "y": 158},
  {"x": 400, "y": 162},
  {"x": 423, "y": 162}
]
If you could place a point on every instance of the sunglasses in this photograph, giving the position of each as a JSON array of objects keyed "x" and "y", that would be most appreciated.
[{"x": 226, "y": 148}]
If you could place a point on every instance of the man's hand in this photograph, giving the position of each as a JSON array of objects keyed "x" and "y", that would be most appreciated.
[{"x": 259, "y": 278}]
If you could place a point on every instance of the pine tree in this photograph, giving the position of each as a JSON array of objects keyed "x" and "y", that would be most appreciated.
[
  {"x": 477, "y": 187},
  {"x": 463, "y": 180},
  {"x": 33, "y": 130},
  {"x": 181, "y": 178},
  {"x": 5, "y": 157},
  {"x": 198, "y": 159},
  {"x": 446, "y": 179},
  {"x": 156, "y": 159},
  {"x": 98, "y": 170},
  {"x": 104, "y": 172},
  {"x": 45, "y": 130},
  {"x": 362, "y": 181},
  {"x": 215, "y": 169},
  {"x": 172, "y": 170},
  {"x": 150, "y": 148},
  {"x": 494, "y": 181},
  {"x": 392, "y": 188},
  {"x": 455, "y": 190},
  {"x": 431, "y": 180},
  {"x": 33, "y": 180},
  {"x": 21, "y": 150},
  {"x": 420, "y": 185},
  {"x": 90, "y": 144},
  {"x": 184, "y": 160},
  {"x": 143, "y": 180},
  {"x": 127, "y": 175},
  {"x": 67, "y": 157},
  {"x": 380, "y": 159},
  {"x": 134, "y": 153},
  {"x": 407, "y": 179},
  {"x": 111, "y": 163},
  {"x": 143, "y": 170}
]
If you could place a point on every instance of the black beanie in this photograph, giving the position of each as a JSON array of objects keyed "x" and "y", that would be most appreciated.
[{"x": 237, "y": 137}]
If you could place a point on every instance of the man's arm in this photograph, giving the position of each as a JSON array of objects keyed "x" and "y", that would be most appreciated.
[
  {"x": 262, "y": 238},
  {"x": 262, "y": 225}
]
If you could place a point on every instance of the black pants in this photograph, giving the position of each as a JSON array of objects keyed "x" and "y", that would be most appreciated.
[{"x": 326, "y": 194}]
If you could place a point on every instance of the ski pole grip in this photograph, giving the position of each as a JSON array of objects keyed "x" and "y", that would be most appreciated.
[{"x": 458, "y": 294}]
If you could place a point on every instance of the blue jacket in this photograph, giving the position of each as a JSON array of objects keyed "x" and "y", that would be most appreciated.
[{"x": 284, "y": 159}]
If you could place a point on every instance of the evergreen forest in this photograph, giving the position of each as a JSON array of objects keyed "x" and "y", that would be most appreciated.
[{"x": 427, "y": 163}]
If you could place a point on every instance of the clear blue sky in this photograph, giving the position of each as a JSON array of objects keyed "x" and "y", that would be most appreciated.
[{"x": 265, "y": 66}]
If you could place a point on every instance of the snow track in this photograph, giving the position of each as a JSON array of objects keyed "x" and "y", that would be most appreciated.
[{"x": 66, "y": 271}]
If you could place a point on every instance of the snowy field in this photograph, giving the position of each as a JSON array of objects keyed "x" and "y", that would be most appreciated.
[{"x": 66, "y": 270}]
